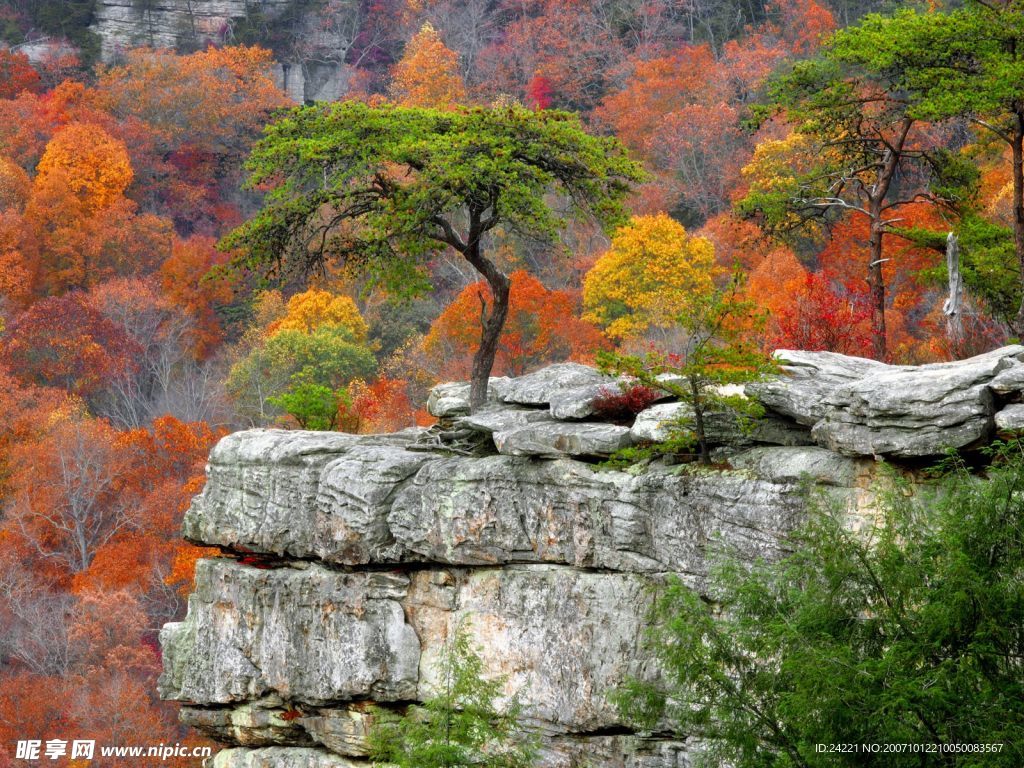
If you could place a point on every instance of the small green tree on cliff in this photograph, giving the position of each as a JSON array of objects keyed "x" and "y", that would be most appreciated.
[
  {"x": 385, "y": 188},
  {"x": 718, "y": 349},
  {"x": 459, "y": 726}
]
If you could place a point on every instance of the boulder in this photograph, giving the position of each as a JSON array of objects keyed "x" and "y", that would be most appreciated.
[
  {"x": 452, "y": 399},
  {"x": 1011, "y": 418},
  {"x": 540, "y": 387},
  {"x": 808, "y": 379},
  {"x": 655, "y": 425},
  {"x": 500, "y": 417}
]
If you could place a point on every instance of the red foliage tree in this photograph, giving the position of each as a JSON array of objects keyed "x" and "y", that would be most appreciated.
[
  {"x": 817, "y": 317},
  {"x": 16, "y": 74},
  {"x": 64, "y": 343}
]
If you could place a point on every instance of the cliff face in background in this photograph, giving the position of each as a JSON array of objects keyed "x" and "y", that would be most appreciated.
[
  {"x": 312, "y": 54},
  {"x": 356, "y": 556}
]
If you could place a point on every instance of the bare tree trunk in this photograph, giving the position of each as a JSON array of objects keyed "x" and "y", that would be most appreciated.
[
  {"x": 698, "y": 421},
  {"x": 876, "y": 286},
  {"x": 951, "y": 307},
  {"x": 1017, "y": 147}
]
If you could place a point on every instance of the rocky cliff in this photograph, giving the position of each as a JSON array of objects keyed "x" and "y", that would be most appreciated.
[
  {"x": 311, "y": 54},
  {"x": 350, "y": 559}
]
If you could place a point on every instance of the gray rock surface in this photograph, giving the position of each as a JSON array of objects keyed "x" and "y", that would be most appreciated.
[
  {"x": 540, "y": 387},
  {"x": 314, "y": 71},
  {"x": 562, "y": 439},
  {"x": 282, "y": 757},
  {"x": 914, "y": 411},
  {"x": 501, "y": 418},
  {"x": 1011, "y": 418},
  {"x": 305, "y": 634},
  {"x": 263, "y": 486},
  {"x": 447, "y": 400},
  {"x": 370, "y": 555},
  {"x": 505, "y": 510},
  {"x": 808, "y": 379}
]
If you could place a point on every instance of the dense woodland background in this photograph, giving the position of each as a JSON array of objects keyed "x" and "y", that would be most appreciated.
[{"x": 123, "y": 358}]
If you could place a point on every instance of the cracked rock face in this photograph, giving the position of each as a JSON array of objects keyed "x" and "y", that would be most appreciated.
[
  {"x": 309, "y": 635},
  {"x": 362, "y": 557}
]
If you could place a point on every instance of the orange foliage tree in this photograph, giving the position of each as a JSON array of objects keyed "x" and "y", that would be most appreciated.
[
  {"x": 94, "y": 164},
  {"x": 428, "y": 73}
]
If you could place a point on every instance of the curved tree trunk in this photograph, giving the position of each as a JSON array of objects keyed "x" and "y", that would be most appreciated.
[{"x": 493, "y": 322}]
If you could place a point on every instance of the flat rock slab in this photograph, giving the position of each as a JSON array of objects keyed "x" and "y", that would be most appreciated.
[
  {"x": 809, "y": 378},
  {"x": 540, "y": 387},
  {"x": 915, "y": 411},
  {"x": 378, "y": 504},
  {"x": 507, "y": 509},
  {"x": 861, "y": 407},
  {"x": 304, "y": 634},
  {"x": 500, "y": 418},
  {"x": 267, "y": 494},
  {"x": 563, "y": 439}
]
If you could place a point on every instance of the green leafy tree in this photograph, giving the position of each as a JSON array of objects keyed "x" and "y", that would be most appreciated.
[
  {"x": 717, "y": 350},
  {"x": 856, "y": 152},
  {"x": 910, "y": 633},
  {"x": 460, "y": 726},
  {"x": 968, "y": 63},
  {"x": 385, "y": 188},
  {"x": 327, "y": 358},
  {"x": 313, "y": 406}
]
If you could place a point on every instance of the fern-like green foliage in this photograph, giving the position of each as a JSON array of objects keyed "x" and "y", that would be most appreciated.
[
  {"x": 460, "y": 726},
  {"x": 908, "y": 633}
]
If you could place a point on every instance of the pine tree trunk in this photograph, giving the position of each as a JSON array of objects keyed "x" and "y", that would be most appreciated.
[
  {"x": 493, "y": 324},
  {"x": 1017, "y": 146}
]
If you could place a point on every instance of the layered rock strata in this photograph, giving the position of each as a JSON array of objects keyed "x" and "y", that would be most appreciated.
[
  {"x": 312, "y": 69},
  {"x": 350, "y": 560}
]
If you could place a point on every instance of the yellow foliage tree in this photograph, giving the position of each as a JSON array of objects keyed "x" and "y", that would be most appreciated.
[
  {"x": 428, "y": 73},
  {"x": 647, "y": 278},
  {"x": 95, "y": 164},
  {"x": 316, "y": 308}
]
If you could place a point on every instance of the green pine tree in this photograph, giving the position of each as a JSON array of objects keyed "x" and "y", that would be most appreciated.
[{"x": 459, "y": 726}]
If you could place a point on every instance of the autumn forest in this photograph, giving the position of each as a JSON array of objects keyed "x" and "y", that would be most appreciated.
[{"x": 821, "y": 157}]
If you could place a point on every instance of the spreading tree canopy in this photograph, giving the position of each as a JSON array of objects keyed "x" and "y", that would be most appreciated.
[
  {"x": 856, "y": 150},
  {"x": 385, "y": 188}
]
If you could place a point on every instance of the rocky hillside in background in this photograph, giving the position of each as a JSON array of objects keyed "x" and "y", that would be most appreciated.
[
  {"x": 352, "y": 558},
  {"x": 311, "y": 54}
]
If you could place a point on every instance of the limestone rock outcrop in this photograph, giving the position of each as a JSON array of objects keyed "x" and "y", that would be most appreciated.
[
  {"x": 350, "y": 560},
  {"x": 314, "y": 71}
]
